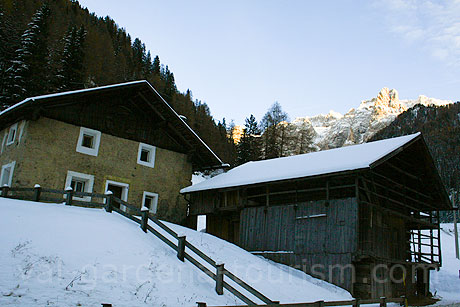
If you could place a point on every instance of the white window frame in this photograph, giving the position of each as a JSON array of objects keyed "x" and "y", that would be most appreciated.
[
  {"x": 154, "y": 203},
  {"x": 15, "y": 129},
  {"x": 97, "y": 140},
  {"x": 151, "y": 149},
  {"x": 5, "y": 166},
  {"x": 124, "y": 191},
  {"x": 89, "y": 179}
]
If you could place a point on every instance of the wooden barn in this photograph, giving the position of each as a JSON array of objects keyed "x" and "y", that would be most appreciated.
[{"x": 364, "y": 217}]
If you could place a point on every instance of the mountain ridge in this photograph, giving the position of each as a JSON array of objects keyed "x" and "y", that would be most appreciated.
[{"x": 359, "y": 124}]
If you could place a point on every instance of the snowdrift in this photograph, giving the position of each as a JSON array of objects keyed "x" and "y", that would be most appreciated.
[{"x": 57, "y": 255}]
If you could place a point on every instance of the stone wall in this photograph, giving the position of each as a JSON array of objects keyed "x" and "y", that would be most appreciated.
[{"x": 44, "y": 150}]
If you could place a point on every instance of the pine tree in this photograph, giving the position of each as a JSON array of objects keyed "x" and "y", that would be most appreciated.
[
  {"x": 248, "y": 149},
  {"x": 169, "y": 88},
  {"x": 139, "y": 57},
  {"x": 8, "y": 44},
  {"x": 274, "y": 131},
  {"x": 29, "y": 74},
  {"x": 71, "y": 73},
  {"x": 156, "y": 66}
]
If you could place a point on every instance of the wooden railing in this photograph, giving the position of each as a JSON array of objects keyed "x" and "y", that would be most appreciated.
[
  {"x": 355, "y": 303},
  {"x": 142, "y": 217}
]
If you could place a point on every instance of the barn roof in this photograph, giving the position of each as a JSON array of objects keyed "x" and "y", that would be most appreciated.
[
  {"x": 143, "y": 88},
  {"x": 349, "y": 158}
]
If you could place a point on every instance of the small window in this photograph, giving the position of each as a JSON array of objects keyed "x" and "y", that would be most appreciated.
[
  {"x": 146, "y": 155},
  {"x": 12, "y": 134},
  {"x": 80, "y": 182},
  {"x": 7, "y": 174},
  {"x": 78, "y": 185},
  {"x": 88, "y": 141},
  {"x": 150, "y": 200}
]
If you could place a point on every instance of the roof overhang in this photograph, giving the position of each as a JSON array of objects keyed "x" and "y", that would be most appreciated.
[{"x": 32, "y": 105}]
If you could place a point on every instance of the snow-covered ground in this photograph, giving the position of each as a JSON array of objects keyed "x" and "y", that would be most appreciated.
[
  {"x": 446, "y": 282},
  {"x": 55, "y": 255}
]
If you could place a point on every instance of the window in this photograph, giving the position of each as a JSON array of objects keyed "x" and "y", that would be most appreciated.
[
  {"x": 78, "y": 185},
  {"x": 150, "y": 200},
  {"x": 12, "y": 134},
  {"x": 120, "y": 190},
  {"x": 7, "y": 174},
  {"x": 88, "y": 141},
  {"x": 146, "y": 155},
  {"x": 80, "y": 182}
]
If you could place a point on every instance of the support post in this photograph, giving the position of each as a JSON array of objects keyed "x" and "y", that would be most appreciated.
[
  {"x": 181, "y": 248},
  {"x": 69, "y": 196},
  {"x": 108, "y": 201},
  {"x": 320, "y": 303},
  {"x": 455, "y": 225},
  {"x": 357, "y": 303},
  {"x": 37, "y": 192},
  {"x": 145, "y": 218},
  {"x": 5, "y": 190},
  {"x": 220, "y": 278},
  {"x": 383, "y": 302},
  {"x": 201, "y": 304}
]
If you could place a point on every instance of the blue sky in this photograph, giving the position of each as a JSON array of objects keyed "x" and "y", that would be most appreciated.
[{"x": 310, "y": 56}]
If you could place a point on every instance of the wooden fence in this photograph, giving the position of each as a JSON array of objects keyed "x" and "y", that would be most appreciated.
[
  {"x": 142, "y": 217},
  {"x": 355, "y": 303}
]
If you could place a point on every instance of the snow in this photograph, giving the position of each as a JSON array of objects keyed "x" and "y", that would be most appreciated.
[
  {"x": 315, "y": 163},
  {"x": 359, "y": 124},
  {"x": 310, "y": 216},
  {"x": 445, "y": 283},
  {"x": 60, "y": 255},
  {"x": 32, "y": 99}
]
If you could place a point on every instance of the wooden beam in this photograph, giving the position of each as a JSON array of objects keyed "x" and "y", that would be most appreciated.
[
  {"x": 403, "y": 171},
  {"x": 401, "y": 185},
  {"x": 403, "y": 195},
  {"x": 404, "y": 216}
]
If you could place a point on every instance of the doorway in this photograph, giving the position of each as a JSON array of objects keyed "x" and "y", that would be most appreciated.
[{"x": 119, "y": 190}]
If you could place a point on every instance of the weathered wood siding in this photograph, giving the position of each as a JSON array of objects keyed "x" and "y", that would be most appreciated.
[{"x": 321, "y": 233}]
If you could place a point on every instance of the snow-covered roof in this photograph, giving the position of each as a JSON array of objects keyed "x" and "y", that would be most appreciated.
[
  {"x": 311, "y": 164},
  {"x": 31, "y": 100}
]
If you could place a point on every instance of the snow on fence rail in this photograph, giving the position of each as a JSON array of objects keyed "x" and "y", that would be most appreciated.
[{"x": 142, "y": 217}]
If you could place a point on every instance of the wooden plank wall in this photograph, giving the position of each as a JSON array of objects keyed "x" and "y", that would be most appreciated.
[{"x": 304, "y": 234}]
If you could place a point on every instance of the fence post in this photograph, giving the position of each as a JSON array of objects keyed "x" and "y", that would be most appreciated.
[
  {"x": 320, "y": 303},
  {"x": 5, "y": 190},
  {"x": 37, "y": 192},
  {"x": 383, "y": 302},
  {"x": 69, "y": 195},
  {"x": 181, "y": 248},
  {"x": 220, "y": 278},
  {"x": 357, "y": 303},
  {"x": 108, "y": 201},
  {"x": 145, "y": 218},
  {"x": 201, "y": 304}
]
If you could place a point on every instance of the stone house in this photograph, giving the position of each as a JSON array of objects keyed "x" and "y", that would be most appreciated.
[{"x": 124, "y": 138}]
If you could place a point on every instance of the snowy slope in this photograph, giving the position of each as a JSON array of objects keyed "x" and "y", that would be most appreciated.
[
  {"x": 57, "y": 255},
  {"x": 359, "y": 125},
  {"x": 446, "y": 282}
]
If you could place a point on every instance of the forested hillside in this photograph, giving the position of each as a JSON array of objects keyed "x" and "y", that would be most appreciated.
[
  {"x": 56, "y": 45},
  {"x": 440, "y": 127}
]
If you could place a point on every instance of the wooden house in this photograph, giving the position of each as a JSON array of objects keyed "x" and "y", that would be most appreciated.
[
  {"x": 124, "y": 138},
  {"x": 364, "y": 217}
]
